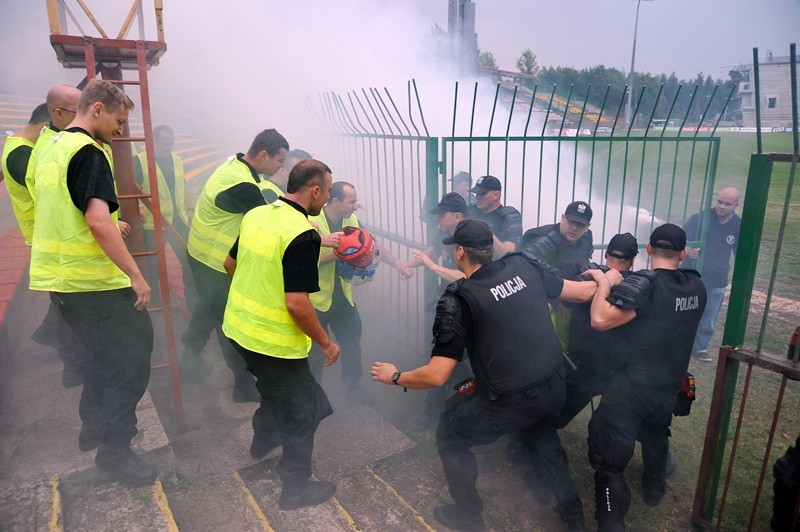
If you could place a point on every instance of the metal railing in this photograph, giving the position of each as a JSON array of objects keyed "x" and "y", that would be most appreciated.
[
  {"x": 547, "y": 149},
  {"x": 763, "y": 195}
]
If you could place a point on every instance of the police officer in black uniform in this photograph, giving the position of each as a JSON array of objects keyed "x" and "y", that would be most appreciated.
[
  {"x": 657, "y": 313},
  {"x": 570, "y": 240},
  {"x": 592, "y": 350},
  {"x": 499, "y": 313},
  {"x": 504, "y": 221}
]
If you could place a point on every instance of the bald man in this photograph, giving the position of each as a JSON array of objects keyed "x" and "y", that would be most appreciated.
[
  {"x": 721, "y": 242},
  {"x": 62, "y": 104}
]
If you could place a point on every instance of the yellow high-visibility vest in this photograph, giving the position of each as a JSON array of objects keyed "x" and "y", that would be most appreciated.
[
  {"x": 256, "y": 316},
  {"x": 327, "y": 272},
  {"x": 65, "y": 257},
  {"x": 213, "y": 230},
  {"x": 267, "y": 185},
  {"x": 165, "y": 196},
  {"x": 21, "y": 200},
  {"x": 46, "y": 134}
]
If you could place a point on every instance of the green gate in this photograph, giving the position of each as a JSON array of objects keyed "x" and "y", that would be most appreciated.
[{"x": 548, "y": 147}]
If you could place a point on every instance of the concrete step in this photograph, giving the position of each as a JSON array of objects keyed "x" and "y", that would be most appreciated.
[
  {"x": 30, "y": 506},
  {"x": 107, "y": 505}
]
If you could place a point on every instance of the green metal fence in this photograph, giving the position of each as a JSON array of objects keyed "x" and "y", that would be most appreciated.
[
  {"x": 763, "y": 312},
  {"x": 548, "y": 148}
]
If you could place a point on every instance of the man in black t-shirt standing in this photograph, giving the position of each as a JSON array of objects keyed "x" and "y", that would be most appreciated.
[
  {"x": 271, "y": 322},
  {"x": 721, "y": 241},
  {"x": 504, "y": 221},
  {"x": 499, "y": 314},
  {"x": 79, "y": 257}
]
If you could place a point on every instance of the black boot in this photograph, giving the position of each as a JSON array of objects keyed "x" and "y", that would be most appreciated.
[
  {"x": 312, "y": 493},
  {"x": 125, "y": 465}
]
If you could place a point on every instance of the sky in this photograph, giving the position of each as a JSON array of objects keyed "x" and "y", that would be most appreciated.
[{"x": 233, "y": 67}]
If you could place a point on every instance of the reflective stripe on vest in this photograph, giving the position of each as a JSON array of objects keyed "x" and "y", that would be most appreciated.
[
  {"x": 213, "y": 230},
  {"x": 255, "y": 315},
  {"x": 165, "y": 196},
  {"x": 327, "y": 272},
  {"x": 65, "y": 257},
  {"x": 21, "y": 200}
]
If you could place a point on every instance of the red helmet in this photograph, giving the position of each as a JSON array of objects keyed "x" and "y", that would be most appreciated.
[{"x": 356, "y": 247}]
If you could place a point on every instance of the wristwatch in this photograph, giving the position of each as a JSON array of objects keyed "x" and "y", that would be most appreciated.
[{"x": 396, "y": 377}]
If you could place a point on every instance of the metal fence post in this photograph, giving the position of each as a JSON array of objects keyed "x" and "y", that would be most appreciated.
[
  {"x": 432, "y": 171},
  {"x": 753, "y": 214}
]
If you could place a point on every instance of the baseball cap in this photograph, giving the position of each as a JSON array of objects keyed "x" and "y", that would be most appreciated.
[
  {"x": 486, "y": 183},
  {"x": 461, "y": 176},
  {"x": 668, "y": 236},
  {"x": 470, "y": 234},
  {"x": 450, "y": 202},
  {"x": 579, "y": 211},
  {"x": 623, "y": 246}
]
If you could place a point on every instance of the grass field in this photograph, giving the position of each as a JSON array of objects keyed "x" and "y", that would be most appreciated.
[{"x": 688, "y": 433}]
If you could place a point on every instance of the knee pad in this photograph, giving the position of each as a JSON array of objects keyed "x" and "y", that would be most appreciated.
[{"x": 612, "y": 499}]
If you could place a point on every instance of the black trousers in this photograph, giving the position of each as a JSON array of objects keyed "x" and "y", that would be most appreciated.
[
  {"x": 582, "y": 386},
  {"x": 344, "y": 321},
  {"x": 57, "y": 333},
  {"x": 119, "y": 342},
  {"x": 628, "y": 411},
  {"x": 293, "y": 404},
  {"x": 212, "y": 290},
  {"x": 152, "y": 261},
  {"x": 479, "y": 420}
]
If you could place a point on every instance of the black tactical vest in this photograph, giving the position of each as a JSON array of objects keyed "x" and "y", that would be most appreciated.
[
  {"x": 659, "y": 343},
  {"x": 513, "y": 345}
]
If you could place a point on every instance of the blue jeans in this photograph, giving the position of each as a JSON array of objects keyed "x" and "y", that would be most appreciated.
[{"x": 705, "y": 331}]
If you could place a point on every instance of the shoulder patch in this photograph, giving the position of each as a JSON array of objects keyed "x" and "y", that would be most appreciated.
[{"x": 633, "y": 290}]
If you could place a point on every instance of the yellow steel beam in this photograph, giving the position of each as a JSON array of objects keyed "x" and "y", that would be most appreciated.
[
  {"x": 159, "y": 20},
  {"x": 91, "y": 17},
  {"x": 52, "y": 16},
  {"x": 127, "y": 24}
]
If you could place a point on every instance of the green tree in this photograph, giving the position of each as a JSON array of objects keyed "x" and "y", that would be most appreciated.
[
  {"x": 526, "y": 63},
  {"x": 486, "y": 59}
]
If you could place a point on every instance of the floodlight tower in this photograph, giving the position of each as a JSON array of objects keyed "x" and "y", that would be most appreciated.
[
  {"x": 461, "y": 28},
  {"x": 631, "y": 94}
]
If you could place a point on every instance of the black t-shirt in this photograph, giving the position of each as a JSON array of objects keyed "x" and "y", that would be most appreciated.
[
  {"x": 505, "y": 222},
  {"x": 241, "y": 197},
  {"x": 89, "y": 176},
  {"x": 17, "y": 164},
  {"x": 300, "y": 269},
  {"x": 721, "y": 241},
  {"x": 454, "y": 348}
]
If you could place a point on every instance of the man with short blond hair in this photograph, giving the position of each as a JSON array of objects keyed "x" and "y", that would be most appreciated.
[{"x": 78, "y": 255}]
